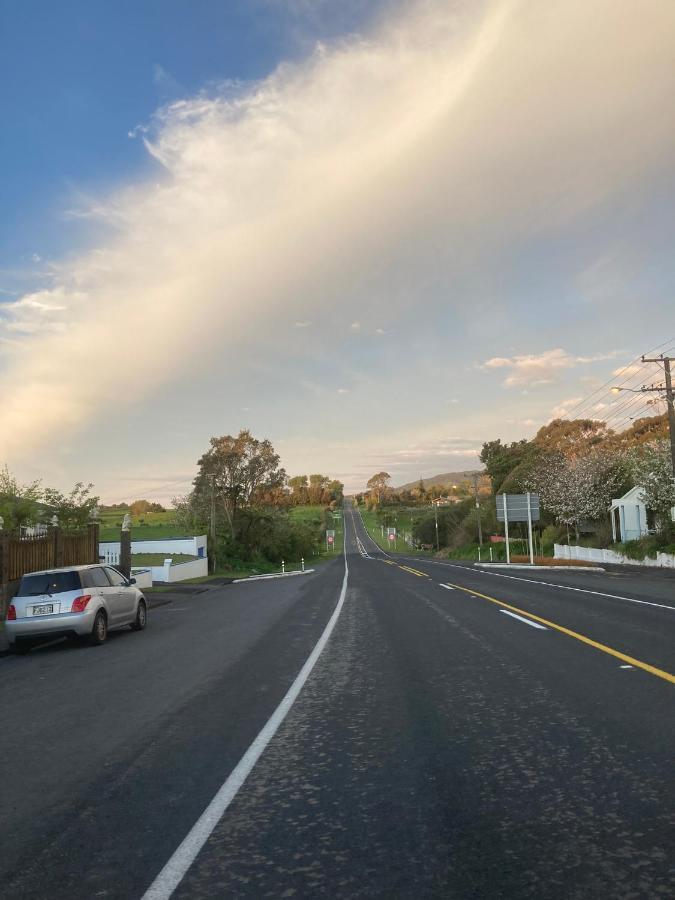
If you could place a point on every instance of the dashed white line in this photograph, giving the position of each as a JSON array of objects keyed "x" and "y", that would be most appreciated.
[
  {"x": 447, "y": 587},
  {"x": 523, "y": 619}
]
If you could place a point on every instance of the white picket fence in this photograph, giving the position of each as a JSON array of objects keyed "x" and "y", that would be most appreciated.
[{"x": 598, "y": 555}]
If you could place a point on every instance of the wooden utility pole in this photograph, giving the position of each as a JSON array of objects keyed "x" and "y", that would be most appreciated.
[
  {"x": 475, "y": 494},
  {"x": 665, "y": 361},
  {"x": 213, "y": 523}
]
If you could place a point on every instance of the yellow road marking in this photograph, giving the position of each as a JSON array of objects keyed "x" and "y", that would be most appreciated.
[
  {"x": 666, "y": 676},
  {"x": 413, "y": 572}
]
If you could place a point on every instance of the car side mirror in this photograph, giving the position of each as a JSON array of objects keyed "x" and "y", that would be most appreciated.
[{"x": 132, "y": 581}]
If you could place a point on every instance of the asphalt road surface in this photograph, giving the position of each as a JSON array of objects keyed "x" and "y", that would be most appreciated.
[{"x": 460, "y": 734}]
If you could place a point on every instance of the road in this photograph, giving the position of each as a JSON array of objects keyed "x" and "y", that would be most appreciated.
[{"x": 461, "y": 734}]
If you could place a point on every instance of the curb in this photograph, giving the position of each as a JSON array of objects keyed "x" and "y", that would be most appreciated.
[
  {"x": 483, "y": 565},
  {"x": 273, "y": 575}
]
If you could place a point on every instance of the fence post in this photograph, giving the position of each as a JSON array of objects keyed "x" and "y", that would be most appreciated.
[
  {"x": 125, "y": 547},
  {"x": 58, "y": 547},
  {"x": 4, "y": 570},
  {"x": 94, "y": 538}
]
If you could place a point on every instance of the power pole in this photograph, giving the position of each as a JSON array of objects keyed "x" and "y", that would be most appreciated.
[
  {"x": 213, "y": 522},
  {"x": 665, "y": 361},
  {"x": 475, "y": 494}
]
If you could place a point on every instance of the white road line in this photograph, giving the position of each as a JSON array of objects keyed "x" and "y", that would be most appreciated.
[
  {"x": 550, "y": 584},
  {"x": 522, "y": 619},
  {"x": 174, "y": 871},
  {"x": 447, "y": 587},
  {"x": 626, "y": 667}
]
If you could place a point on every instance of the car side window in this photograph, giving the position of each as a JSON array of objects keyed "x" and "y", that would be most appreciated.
[
  {"x": 115, "y": 578},
  {"x": 98, "y": 578}
]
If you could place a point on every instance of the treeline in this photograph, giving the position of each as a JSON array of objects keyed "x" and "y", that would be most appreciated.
[
  {"x": 242, "y": 497},
  {"x": 576, "y": 466},
  {"x": 136, "y": 507}
]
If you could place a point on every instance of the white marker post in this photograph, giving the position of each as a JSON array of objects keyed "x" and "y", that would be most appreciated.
[
  {"x": 506, "y": 531},
  {"x": 529, "y": 528}
]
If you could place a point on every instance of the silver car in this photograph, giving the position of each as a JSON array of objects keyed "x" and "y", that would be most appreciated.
[{"x": 78, "y": 601}]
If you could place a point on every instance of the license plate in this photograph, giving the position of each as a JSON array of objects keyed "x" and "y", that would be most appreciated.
[{"x": 43, "y": 610}]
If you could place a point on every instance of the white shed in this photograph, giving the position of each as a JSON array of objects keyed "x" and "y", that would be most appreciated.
[{"x": 629, "y": 516}]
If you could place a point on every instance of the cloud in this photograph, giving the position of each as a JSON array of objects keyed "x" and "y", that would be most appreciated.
[
  {"x": 355, "y": 326},
  {"x": 343, "y": 390},
  {"x": 533, "y": 370},
  {"x": 304, "y": 324},
  {"x": 271, "y": 195},
  {"x": 561, "y": 411}
]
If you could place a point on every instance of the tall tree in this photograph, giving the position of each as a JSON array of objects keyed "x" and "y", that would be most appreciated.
[
  {"x": 238, "y": 470},
  {"x": 377, "y": 485}
]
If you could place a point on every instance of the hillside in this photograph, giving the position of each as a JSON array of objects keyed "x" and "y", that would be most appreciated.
[{"x": 447, "y": 479}]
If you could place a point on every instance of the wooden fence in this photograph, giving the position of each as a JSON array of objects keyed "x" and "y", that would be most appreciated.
[{"x": 56, "y": 548}]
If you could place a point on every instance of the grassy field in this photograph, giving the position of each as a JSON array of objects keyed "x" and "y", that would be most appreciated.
[
  {"x": 157, "y": 559},
  {"x": 402, "y": 519},
  {"x": 152, "y": 526}
]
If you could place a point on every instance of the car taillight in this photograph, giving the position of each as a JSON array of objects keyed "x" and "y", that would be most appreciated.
[
  {"x": 11, "y": 613},
  {"x": 80, "y": 603}
]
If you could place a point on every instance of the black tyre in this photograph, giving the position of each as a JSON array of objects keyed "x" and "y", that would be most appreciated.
[
  {"x": 141, "y": 617},
  {"x": 99, "y": 632},
  {"x": 21, "y": 647}
]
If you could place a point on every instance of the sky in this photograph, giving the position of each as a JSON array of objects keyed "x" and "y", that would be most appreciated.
[{"x": 377, "y": 233}]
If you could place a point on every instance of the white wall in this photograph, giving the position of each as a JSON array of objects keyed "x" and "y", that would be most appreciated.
[
  {"x": 596, "y": 555},
  {"x": 198, "y": 568},
  {"x": 143, "y": 577},
  {"x": 190, "y": 546}
]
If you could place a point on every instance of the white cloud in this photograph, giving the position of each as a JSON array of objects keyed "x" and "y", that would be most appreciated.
[
  {"x": 562, "y": 410},
  {"x": 331, "y": 167},
  {"x": 537, "y": 369},
  {"x": 304, "y": 324},
  {"x": 355, "y": 326}
]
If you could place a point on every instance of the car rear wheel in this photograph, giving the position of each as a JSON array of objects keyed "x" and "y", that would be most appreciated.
[
  {"x": 141, "y": 617},
  {"x": 99, "y": 632}
]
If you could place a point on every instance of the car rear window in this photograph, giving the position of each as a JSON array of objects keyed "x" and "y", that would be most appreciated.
[{"x": 50, "y": 583}]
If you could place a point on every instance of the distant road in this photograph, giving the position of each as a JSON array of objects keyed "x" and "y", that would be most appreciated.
[{"x": 462, "y": 734}]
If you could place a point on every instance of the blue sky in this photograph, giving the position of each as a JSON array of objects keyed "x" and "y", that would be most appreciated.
[{"x": 377, "y": 233}]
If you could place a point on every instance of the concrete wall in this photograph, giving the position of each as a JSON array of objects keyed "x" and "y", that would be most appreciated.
[
  {"x": 143, "y": 577},
  {"x": 192, "y": 546},
  {"x": 198, "y": 568},
  {"x": 597, "y": 555}
]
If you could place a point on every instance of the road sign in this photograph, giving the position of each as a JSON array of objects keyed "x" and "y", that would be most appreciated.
[
  {"x": 331, "y": 539},
  {"x": 516, "y": 507},
  {"x": 391, "y": 532}
]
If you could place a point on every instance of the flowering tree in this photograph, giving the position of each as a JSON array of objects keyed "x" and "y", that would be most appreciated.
[
  {"x": 652, "y": 468},
  {"x": 578, "y": 489}
]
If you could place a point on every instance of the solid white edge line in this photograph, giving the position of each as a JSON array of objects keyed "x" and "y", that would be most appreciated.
[
  {"x": 174, "y": 871},
  {"x": 522, "y": 619},
  {"x": 551, "y": 584}
]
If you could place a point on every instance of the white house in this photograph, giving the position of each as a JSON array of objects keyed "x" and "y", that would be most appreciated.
[{"x": 629, "y": 516}]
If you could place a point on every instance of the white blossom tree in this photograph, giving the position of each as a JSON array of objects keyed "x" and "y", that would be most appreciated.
[
  {"x": 652, "y": 468},
  {"x": 578, "y": 489}
]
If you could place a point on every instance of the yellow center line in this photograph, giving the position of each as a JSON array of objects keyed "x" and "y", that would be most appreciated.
[
  {"x": 666, "y": 676},
  {"x": 413, "y": 572}
]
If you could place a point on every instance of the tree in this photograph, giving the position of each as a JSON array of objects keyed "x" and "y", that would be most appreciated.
[
  {"x": 500, "y": 460},
  {"x": 238, "y": 470},
  {"x": 651, "y": 467},
  {"x": 378, "y": 484},
  {"x": 299, "y": 490},
  {"x": 317, "y": 484},
  {"x": 73, "y": 510},
  {"x": 578, "y": 489},
  {"x": 19, "y": 503}
]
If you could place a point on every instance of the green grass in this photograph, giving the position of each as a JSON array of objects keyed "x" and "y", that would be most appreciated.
[
  {"x": 402, "y": 519},
  {"x": 157, "y": 559},
  {"x": 144, "y": 532}
]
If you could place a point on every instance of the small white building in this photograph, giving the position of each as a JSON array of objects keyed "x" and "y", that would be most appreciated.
[{"x": 629, "y": 516}]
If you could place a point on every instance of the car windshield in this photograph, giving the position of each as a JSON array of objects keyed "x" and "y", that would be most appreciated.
[{"x": 49, "y": 583}]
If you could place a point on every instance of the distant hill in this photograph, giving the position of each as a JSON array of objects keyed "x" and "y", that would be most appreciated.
[{"x": 447, "y": 479}]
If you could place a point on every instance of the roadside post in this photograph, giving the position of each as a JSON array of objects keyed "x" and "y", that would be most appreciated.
[
  {"x": 302, "y": 563},
  {"x": 529, "y": 528},
  {"x": 283, "y": 567},
  {"x": 506, "y": 530},
  {"x": 391, "y": 535},
  {"x": 125, "y": 547}
]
